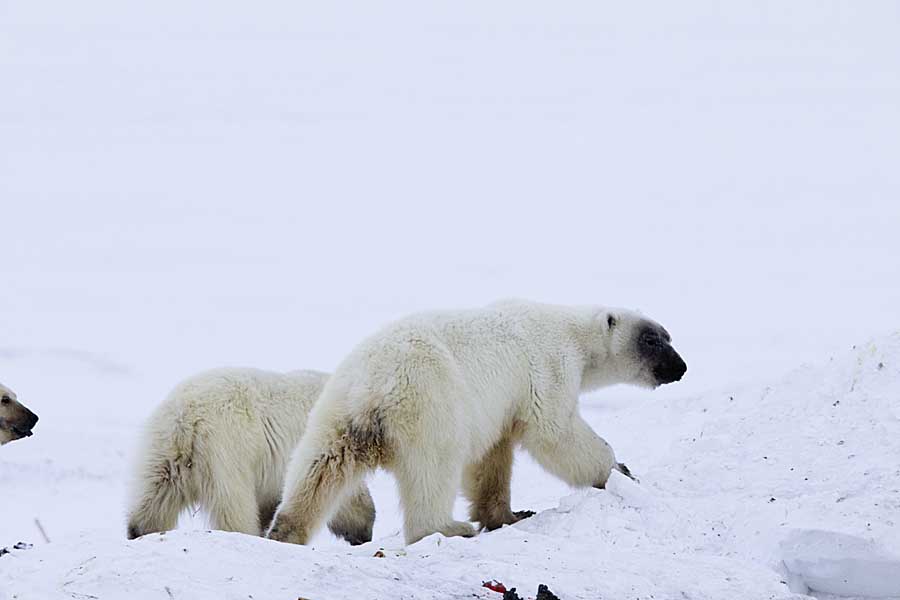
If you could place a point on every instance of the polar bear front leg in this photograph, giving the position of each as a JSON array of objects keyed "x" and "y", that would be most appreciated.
[
  {"x": 486, "y": 485},
  {"x": 572, "y": 452}
]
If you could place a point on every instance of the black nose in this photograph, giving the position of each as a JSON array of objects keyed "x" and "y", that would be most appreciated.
[
  {"x": 30, "y": 420},
  {"x": 670, "y": 371},
  {"x": 681, "y": 370}
]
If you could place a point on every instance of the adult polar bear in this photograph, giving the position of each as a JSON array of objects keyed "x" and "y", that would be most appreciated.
[
  {"x": 441, "y": 396},
  {"x": 221, "y": 441}
]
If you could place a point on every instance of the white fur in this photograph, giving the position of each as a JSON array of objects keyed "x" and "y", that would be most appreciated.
[
  {"x": 446, "y": 386},
  {"x": 221, "y": 441},
  {"x": 16, "y": 421}
]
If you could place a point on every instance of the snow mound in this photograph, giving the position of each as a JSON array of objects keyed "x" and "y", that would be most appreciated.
[
  {"x": 840, "y": 564},
  {"x": 629, "y": 492},
  {"x": 749, "y": 493}
]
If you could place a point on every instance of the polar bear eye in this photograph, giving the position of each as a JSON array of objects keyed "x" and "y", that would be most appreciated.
[
  {"x": 649, "y": 338},
  {"x": 6, "y": 400}
]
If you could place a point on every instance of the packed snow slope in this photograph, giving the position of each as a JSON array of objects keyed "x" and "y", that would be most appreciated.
[{"x": 745, "y": 493}]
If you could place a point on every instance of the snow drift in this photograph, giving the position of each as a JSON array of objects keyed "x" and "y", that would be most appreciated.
[{"x": 742, "y": 493}]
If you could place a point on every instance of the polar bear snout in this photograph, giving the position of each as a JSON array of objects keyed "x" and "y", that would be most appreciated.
[
  {"x": 16, "y": 421},
  {"x": 670, "y": 369},
  {"x": 655, "y": 349}
]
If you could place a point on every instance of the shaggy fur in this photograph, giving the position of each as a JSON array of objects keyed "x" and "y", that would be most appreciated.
[
  {"x": 442, "y": 398},
  {"x": 221, "y": 441},
  {"x": 16, "y": 421}
]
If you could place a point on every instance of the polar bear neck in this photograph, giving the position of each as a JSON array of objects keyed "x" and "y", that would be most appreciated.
[
  {"x": 574, "y": 337},
  {"x": 584, "y": 335}
]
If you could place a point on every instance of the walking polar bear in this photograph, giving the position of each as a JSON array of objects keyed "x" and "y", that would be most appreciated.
[
  {"x": 440, "y": 397},
  {"x": 221, "y": 441}
]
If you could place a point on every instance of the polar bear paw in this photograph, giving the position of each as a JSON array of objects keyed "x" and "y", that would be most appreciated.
[
  {"x": 624, "y": 470},
  {"x": 458, "y": 529},
  {"x": 283, "y": 530}
]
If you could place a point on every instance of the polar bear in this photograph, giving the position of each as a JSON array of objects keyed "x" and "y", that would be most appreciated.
[
  {"x": 443, "y": 397},
  {"x": 221, "y": 441},
  {"x": 16, "y": 421}
]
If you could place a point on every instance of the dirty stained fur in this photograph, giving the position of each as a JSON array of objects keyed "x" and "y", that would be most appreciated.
[
  {"x": 360, "y": 445},
  {"x": 487, "y": 484}
]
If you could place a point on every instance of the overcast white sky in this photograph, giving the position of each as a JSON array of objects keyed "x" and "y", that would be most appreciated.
[{"x": 186, "y": 186}]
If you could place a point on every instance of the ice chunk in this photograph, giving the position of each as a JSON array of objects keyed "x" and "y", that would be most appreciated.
[
  {"x": 628, "y": 491},
  {"x": 840, "y": 564}
]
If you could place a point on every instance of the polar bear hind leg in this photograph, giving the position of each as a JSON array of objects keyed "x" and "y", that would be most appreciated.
[
  {"x": 157, "y": 506},
  {"x": 407, "y": 430},
  {"x": 428, "y": 466},
  {"x": 266, "y": 511},
  {"x": 234, "y": 509},
  {"x": 327, "y": 468},
  {"x": 427, "y": 494},
  {"x": 355, "y": 517}
]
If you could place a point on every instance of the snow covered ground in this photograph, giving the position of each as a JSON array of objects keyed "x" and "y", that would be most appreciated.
[
  {"x": 192, "y": 185},
  {"x": 749, "y": 492}
]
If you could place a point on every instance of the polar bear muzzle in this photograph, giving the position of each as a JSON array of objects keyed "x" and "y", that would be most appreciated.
[
  {"x": 16, "y": 421},
  {"x": 656, "y": 352}
]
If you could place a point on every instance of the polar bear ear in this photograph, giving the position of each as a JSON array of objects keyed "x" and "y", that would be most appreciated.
[{"x": 611, "y": 321}]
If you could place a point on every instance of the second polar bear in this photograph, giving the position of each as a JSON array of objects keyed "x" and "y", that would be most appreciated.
[
  {"x": 221, "y": 441},
  {"x": 16, "y": 421},
  {"x": 444, "y": 397}
]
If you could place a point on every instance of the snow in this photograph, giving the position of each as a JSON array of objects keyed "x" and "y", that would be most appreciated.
[
  {"x": 744, "y": 493},
  {"x": 840, "y": 564},
  {"x": 194, "y": 185}
]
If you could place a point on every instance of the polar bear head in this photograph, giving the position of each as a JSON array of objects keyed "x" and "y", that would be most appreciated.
[
  {"x": 16, "y": 421},
  {"x": 638, "y": 350}
]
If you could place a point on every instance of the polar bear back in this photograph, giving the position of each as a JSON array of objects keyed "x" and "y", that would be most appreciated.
[
  {"x": 255, "y": 416},
  {"x": 480, "y": 370}
]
